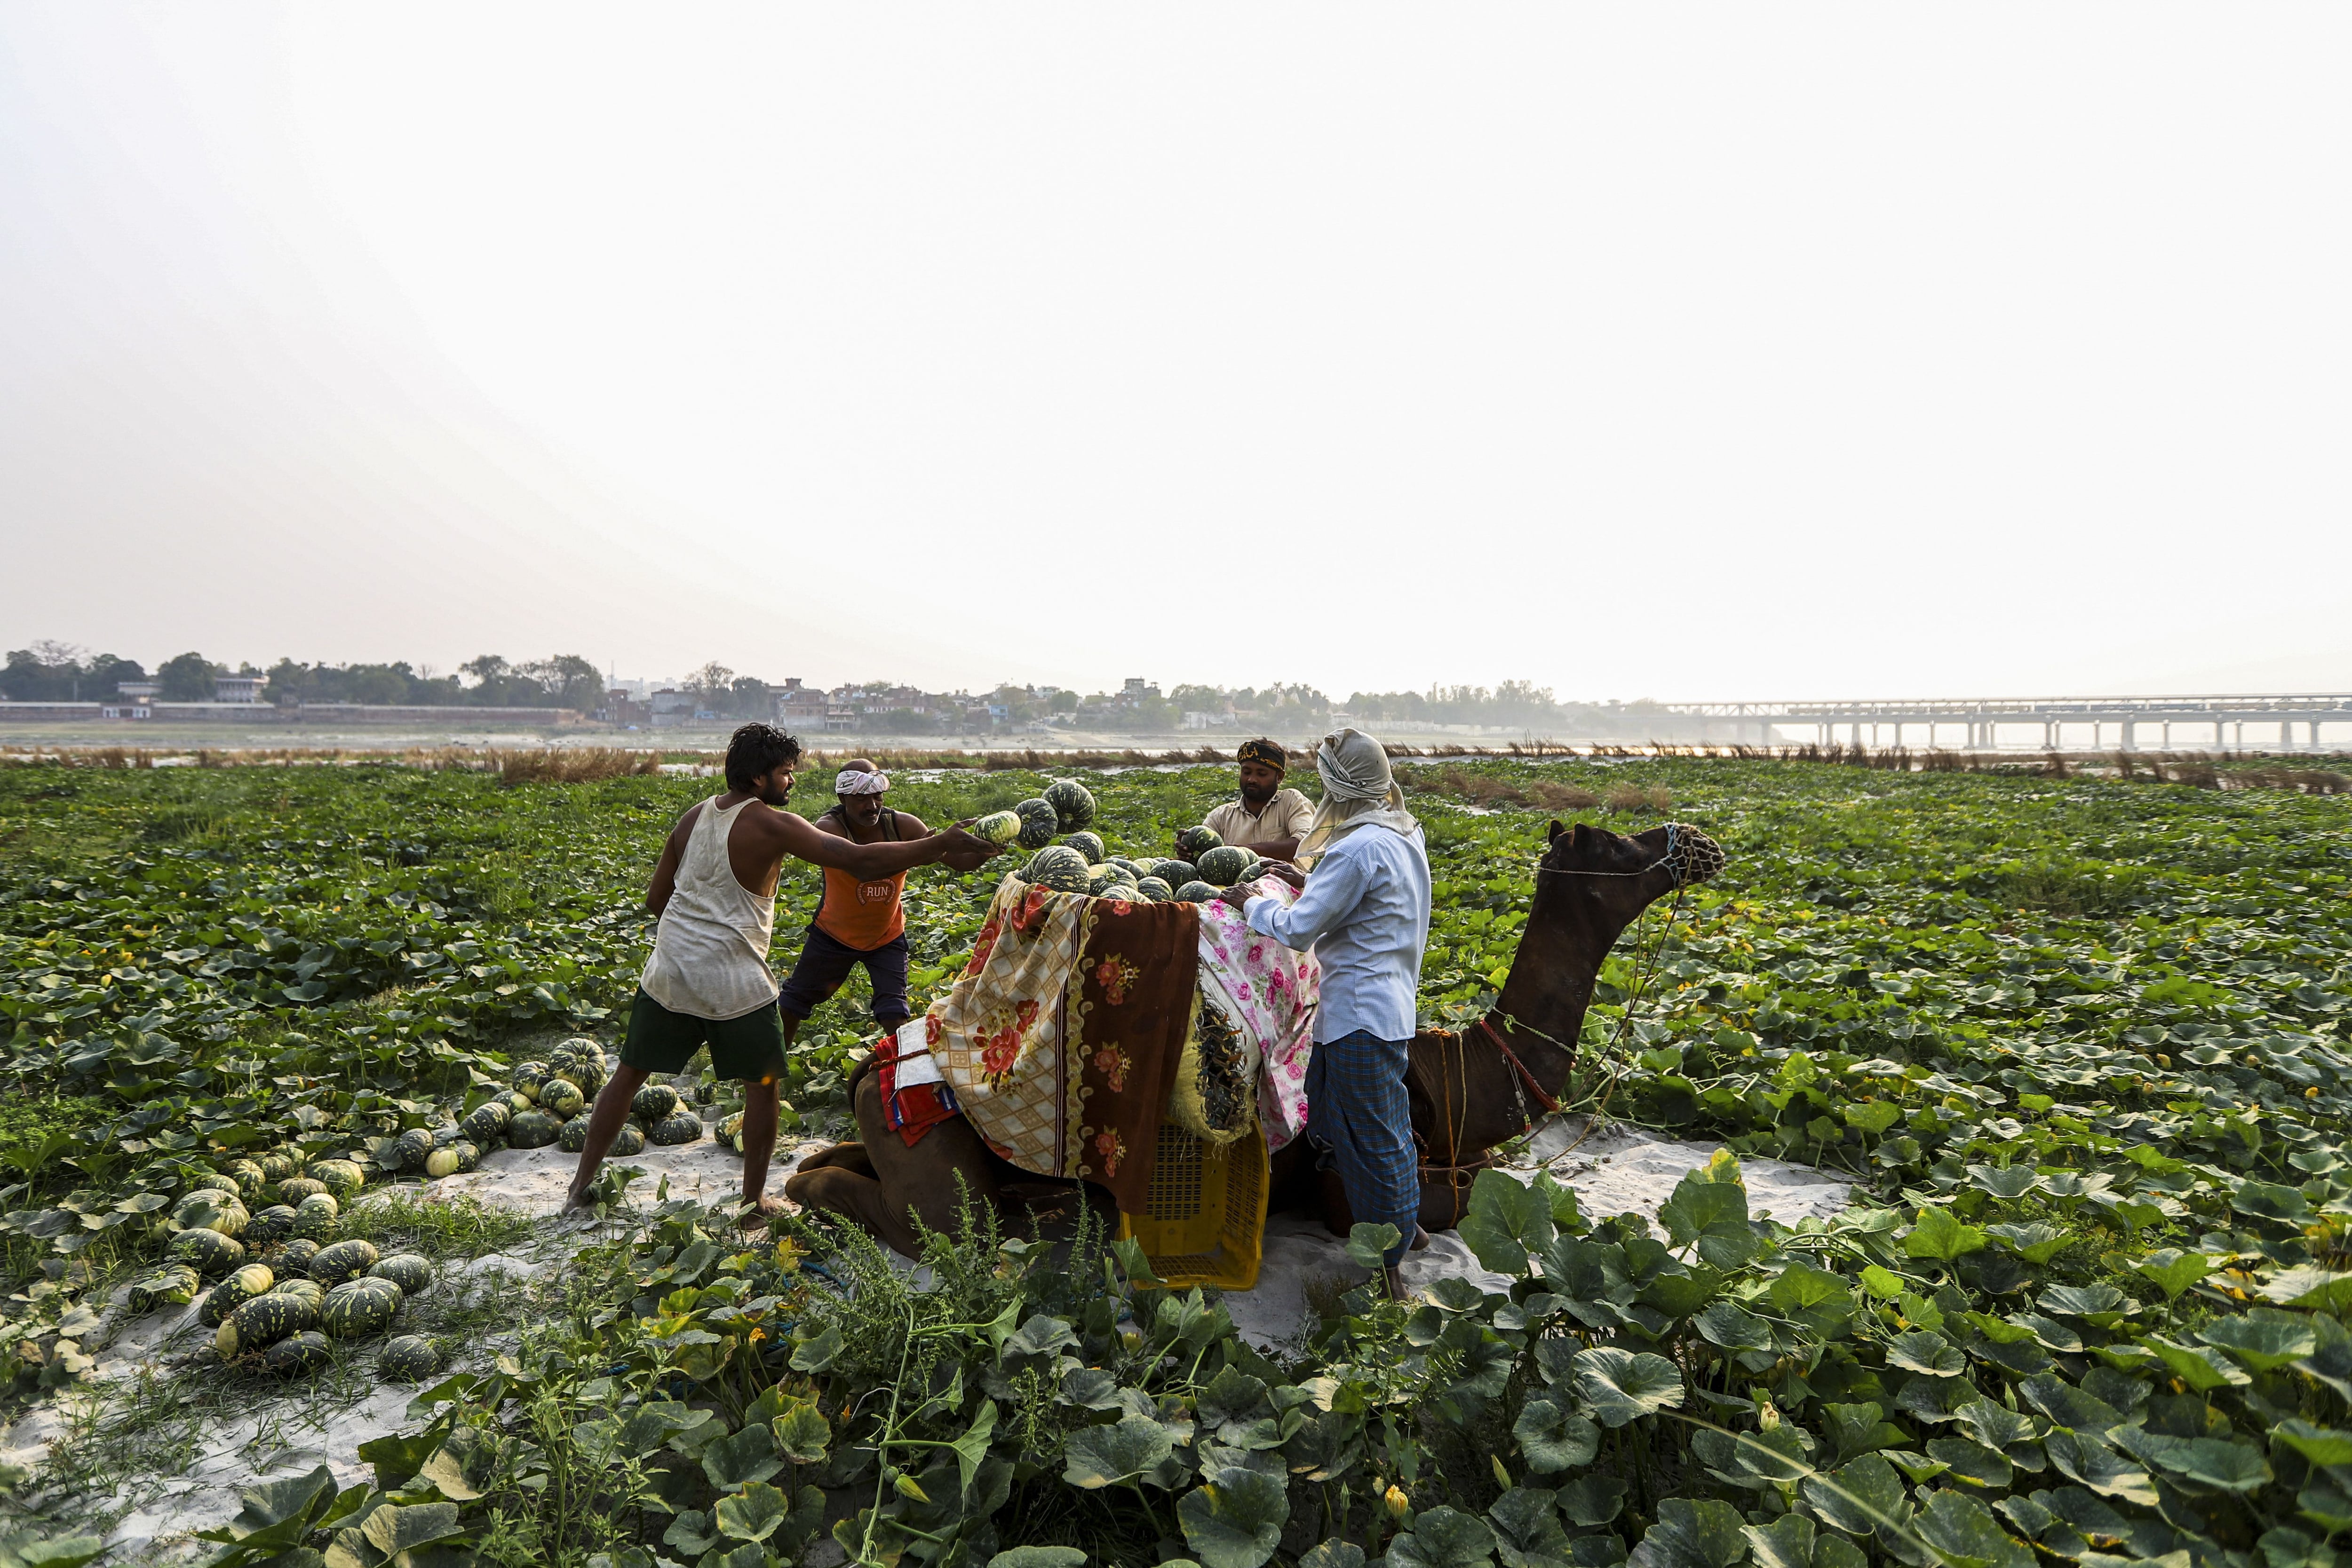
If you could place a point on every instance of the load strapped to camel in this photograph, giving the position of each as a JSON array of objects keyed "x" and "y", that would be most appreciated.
[{"x": 1157, "y": 1050}]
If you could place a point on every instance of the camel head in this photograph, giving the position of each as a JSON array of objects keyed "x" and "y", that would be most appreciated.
[{"x": 1631, "y": 868}]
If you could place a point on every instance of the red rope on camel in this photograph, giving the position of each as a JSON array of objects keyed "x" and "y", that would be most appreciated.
[{"x": 1549, "y": 1104}]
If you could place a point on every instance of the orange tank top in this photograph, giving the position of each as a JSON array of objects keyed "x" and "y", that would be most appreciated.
[{"x": 862, "y": 914}]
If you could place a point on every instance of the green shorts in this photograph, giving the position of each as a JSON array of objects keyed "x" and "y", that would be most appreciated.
[{"x": 750, "y": 1046}]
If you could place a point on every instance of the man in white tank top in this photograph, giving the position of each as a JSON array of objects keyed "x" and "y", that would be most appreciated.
[{"x": 707, "y": 981}]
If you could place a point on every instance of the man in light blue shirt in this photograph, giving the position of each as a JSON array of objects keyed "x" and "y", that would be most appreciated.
[{"x": 1364, "y": 910}]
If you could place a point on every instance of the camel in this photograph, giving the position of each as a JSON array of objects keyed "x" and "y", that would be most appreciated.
[{"x": 1469, "y": 1091}]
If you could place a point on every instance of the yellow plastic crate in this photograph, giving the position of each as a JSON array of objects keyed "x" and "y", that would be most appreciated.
[{"x": 1206, "y": 1224}]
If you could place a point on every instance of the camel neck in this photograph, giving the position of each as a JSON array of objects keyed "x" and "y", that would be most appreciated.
[{"x": 1572, "y": 925}]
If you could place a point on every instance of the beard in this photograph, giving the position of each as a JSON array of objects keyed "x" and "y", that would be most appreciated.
[
  {"x": 771, "y": 795},
  {"x": 1259, "y": 796}
]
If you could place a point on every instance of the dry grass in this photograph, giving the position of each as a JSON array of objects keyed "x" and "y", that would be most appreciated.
[
  {"x": 572, "y": 765},
  {"x": 1635, "y": 798}
]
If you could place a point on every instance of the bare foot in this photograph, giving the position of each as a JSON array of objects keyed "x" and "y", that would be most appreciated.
[
  {"x": 1419, "y": 1240},
  {"x": 577, "y": 1204}
]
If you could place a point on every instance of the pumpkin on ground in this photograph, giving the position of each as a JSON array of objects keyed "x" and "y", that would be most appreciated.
[
  {"x": 561, "y": 1097},
  {"x": 342, "y": 1177},
  {"x": 407, "y": 1358},
  {"x": 305, "y": 1287},
  {"x": 409, "y": 1270},
  {"x": 533, "y": 1130},
  {"x": 173, "y": 1284},
  {"x": 299, "y": 1356},
  {"x": 1175, "y": 874},
  {"x": 248, "y": 1175},
  {"x": 207, "y": 1251},
  {"x": 629, "y": 1140},
  {"x": 272, "y": 1224},
  {"x": 1195, "y": 892},
  {"x": 245, "y": 1282},
  {"x": 343, "y": 1260},
  {"x": 261, "y": 1323},
  {"x": 680, "y": 1126},
  {"x": 406, "y": 1152},
  {"x": 654, "y": 1101},
  {"x": 574, "y": 1137},
  {"x": 487, "y": 1122},
  {"x": 1157, "y": 891},
  {"x": 298, "y": 1253},
  {"x": 359, "y": 1308}
]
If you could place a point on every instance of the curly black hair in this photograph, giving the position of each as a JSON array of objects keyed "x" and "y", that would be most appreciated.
[{"x": 756, "y": 750}]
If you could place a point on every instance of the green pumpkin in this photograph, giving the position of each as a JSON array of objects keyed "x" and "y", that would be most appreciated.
[
  {"x": 1108, "y": 882},
  {"x": 1175, "y": 874},
  {"x": 1198, "y": 842},
  {"x": 574, "y": 1137},
  {"x": 247, "y": 1281},
  {"x": 272, "y": 1224},
  {"x": 361, "y": 1307},
  {"x": 408, "y": 1271},
  {"x": 173, "y": 1284},
  {"x": 305, "y": 1289},
  {"x": 533, "y": 1130},
  {"x": 680, "y": 1126},
  {"x": 260, "y": 1323},
  {"x": 1195, "y": 892},
  {"x": 561, "y": 1097},
  {"x": 1074, "y": 806},
  {"x": 219, "y": 1181},
  {"x": 406, "y": 1152},
  {"x": 999, "y": 828},
  {"x": 315, "y": 1220},
  {"x": 654, "y": 1101},
  {"x": 441, "y": 1163},
  {"x": 1154, "y": 890},
  {"x": 1224, "y": 866},
  {"x": 344, "y": 1178},
  {"x": 729, "y": 1131},
  {"x": 1039, "y": 823},
  {"x": 278, "y": 1165},
  {"x": 211, "y": 1209},
  {"x": 208, "y": 1252},
  {"x": 1087, "y": 844},
  {"x": 629, "y": 1140},
  {"x": 517, "y": 1102},
  {"x": 407, "y": 1358},
  {"x": 298, "y": 1253},
  {"x": 486, "y": 1123},
  {"x": 529, "y": 1075},
  {"x": 302, "y": 1355},
  {"x": 294, "y": 1190},
  {"x": 1058, "y": 867},
  {"x": 343, "y": 1260},
  {"x": 248, "y": 1175}
]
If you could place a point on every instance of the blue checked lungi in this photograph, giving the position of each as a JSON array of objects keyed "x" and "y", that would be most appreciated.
[{"x": 1356, "y": 1108}]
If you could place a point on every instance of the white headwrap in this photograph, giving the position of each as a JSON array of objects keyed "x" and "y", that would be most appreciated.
[
  {"x": 860, "y": 781},
  {"x": 1358, "y": 791}
]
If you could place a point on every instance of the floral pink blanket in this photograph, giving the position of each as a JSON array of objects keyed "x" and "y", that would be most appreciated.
[{"x": 1270, "y": 992}]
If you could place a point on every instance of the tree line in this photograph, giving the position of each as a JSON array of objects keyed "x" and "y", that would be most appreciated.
[{"x": 58, "y": 671}]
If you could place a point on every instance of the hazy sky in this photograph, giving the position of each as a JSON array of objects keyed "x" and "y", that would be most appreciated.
[{"x": 1677, "y": 350}]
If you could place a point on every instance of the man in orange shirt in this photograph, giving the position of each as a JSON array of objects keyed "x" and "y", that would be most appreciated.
[{"x": 858, "y": 921}]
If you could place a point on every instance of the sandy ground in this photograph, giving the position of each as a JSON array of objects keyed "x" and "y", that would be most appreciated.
[{"x": 1612, "y": 1172}]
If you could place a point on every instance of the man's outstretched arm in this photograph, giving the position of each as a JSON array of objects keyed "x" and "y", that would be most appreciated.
[
  {"x": 911, "y": 826},
  {"x": 795, "y": 836}
]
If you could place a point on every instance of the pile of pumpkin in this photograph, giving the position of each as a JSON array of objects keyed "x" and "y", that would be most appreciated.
[
  {"x": 279, "y": 1294},
  {"x": 1081, "y": 863}
]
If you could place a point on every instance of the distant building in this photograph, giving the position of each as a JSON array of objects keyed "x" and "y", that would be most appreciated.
[
  {"x": 132, "y": 699},
  {"x": 238, "y": 688},
  {"x": 840, "y": 715},
  {"x": 671, "y": 708},
  {"x": 622, "y": 707},
  {"x": 1136, "y": 689},
  {"x": 797, "y": 704}
]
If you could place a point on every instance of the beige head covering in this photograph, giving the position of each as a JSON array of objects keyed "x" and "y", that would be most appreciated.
[{"x": 1358, "y": 790}]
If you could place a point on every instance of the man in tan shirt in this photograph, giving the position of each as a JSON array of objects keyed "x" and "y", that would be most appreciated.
[{"x": 1268, "y": 820}]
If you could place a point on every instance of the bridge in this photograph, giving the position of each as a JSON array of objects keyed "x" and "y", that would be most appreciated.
[{"x": 2279, "y": 722}]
